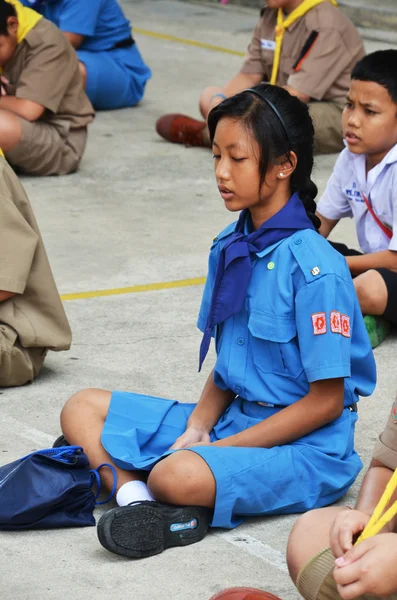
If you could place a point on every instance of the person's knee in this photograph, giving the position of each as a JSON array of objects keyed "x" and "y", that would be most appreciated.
[
  {"x": 82, "y": 403},
  {"x": 371, "y": 292},
  {"x": 174, "y": 480}
]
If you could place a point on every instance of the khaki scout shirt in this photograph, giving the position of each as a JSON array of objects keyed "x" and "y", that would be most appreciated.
[
  {"x": 324, "y": 72},
  {"x": 386, "y": 447},
  {"x": 36, "y": 312},
  {"x": 45, "y": 69}
]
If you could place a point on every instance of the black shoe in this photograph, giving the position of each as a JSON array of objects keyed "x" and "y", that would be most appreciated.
[
  {"x": 146, "y": 528},
  {"x": 60, "y": 442}
]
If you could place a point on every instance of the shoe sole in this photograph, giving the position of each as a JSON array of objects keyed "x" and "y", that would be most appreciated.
[{"x": 142, "y": 530}]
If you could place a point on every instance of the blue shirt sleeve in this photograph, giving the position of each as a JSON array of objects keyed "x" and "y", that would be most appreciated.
[
  {"x": 80, "y": 16},
  {"x": 325, "y": 310}
]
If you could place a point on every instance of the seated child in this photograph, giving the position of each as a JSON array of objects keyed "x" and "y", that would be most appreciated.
[
  {"x": 44, "y": 111},
  {"x": 319, "y": 47},
  {"x": 363, "y": 186},
  {"x": 111, "y": 65},
  {"x": 321, "y": 558},
  {"x": 32, "y": 319},
  {"x": 273, "y": 431}
]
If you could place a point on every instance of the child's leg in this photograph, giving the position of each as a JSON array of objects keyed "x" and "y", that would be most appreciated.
[
  {"x": 10, "y": 130},
  {"x": 82, "y": 421},
  {"x": 309, "y": 535},
  {"x": 206, "y": 98},
  {"x": 372, "y": 293}
]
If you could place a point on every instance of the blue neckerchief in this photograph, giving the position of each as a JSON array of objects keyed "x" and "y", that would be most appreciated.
[{"x": 235, "y": 264}]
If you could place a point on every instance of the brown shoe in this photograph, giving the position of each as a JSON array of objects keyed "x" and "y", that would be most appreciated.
[
  {"x": 244, "y": 593},
  {"x": 181, "y": 129}
]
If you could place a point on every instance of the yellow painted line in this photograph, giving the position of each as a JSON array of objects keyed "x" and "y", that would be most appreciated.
[
  {"x": 147, "y": 287},
  {"x": 196, "y": 43}
]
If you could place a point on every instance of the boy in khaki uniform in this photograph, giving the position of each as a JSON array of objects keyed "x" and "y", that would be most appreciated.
[
  {"x": 367, "y": 570},
  {"x": 32, "y": 319},
  {"x": 318, "y": 52},
  {"x": 44, "y": 111}
]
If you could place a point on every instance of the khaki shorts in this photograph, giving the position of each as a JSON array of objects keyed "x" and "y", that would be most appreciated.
[
  {"x": 45, "y": 149},
  {"x": 18, "y": 365},
  {"x": 315, "y": 580},
  {"x": 327, "y": 119}
]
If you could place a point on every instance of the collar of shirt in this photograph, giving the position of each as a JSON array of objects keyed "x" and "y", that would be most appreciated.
[{"x": 365, "y": 182}]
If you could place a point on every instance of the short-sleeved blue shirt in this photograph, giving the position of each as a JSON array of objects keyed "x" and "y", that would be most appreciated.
[
  {"x": 301, "y": 323},
  {"x": 102, "y": 22}
]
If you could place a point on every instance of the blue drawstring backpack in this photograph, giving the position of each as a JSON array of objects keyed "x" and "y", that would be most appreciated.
[{"x": 48, "y": 489}]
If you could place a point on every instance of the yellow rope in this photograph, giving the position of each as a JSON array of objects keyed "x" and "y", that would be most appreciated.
[
  {"x": 283, "y": 24},
  {"x": 379, "y": 520}
]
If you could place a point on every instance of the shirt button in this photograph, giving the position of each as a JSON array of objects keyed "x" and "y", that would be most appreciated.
[
  {"x": 238, "y": 390},
  {"x": 241, "y": 341},
  {"x": 298, "y": 241}
]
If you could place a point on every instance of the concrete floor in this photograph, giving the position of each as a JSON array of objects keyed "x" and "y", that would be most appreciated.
[{"x": 142, "y": 211}]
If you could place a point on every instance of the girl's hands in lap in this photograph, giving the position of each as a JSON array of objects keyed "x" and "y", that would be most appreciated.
[{"x": 193, "y": 436}]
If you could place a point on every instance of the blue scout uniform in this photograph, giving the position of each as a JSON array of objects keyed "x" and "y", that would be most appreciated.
[
  {"x": 116, "y": 73},
  {"x": 301, "y": 322}
]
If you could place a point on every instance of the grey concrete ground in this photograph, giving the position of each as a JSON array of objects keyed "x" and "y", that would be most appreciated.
[{"x": 142, "y": 211}]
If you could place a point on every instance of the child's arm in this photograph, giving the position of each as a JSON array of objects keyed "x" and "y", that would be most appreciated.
[
  {"x": 212, "y": 404},
  {"x": 320, "y": 406},
  {"x": 327, "y": 225},
  {"x": 27, "y": 109},
  {"x": 5, "y": 295},
  {"x": 75, "y": 39},
  {"x": 386, "y": 259}
]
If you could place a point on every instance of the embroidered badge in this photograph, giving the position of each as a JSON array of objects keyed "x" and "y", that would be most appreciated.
[
  {"x": 335, "y": 321},
  {"x": 319, "y": 323},
  {"x": 394, "y": 412},
  {"x": 345, "y": 325}
]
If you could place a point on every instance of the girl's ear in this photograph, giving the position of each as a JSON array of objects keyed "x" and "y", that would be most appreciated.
[{"x": 288, "y": 166}]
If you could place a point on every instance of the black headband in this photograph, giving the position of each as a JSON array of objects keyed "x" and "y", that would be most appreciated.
[{"x": 274, "y": 109}]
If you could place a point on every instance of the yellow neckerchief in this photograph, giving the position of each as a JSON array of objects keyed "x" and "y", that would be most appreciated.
[
  {"x": 27, "y": 19},
  {"x": 283, "y": 24},
  {"x": 2, "y": 153}
]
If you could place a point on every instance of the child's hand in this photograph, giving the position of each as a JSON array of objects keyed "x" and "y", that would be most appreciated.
[
  {"x": 347, "y": 524},
  {"x": 3, "y": 82},
  {"x": 368, "y": 568},
  {"x": 192, "y": 436}
]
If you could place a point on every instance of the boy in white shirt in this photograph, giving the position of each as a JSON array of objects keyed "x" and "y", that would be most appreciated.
[{"x": 363, "y": 185}]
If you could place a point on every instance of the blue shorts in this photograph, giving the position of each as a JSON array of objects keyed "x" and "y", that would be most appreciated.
[
  {"x": 312, "y": 472},
  {"x": 115, "y": 78}
]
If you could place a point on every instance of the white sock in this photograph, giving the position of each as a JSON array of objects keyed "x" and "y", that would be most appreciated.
[{"x": 133, "y": 491}]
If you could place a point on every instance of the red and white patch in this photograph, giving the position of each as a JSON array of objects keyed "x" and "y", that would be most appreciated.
[
  {"x": 335, "y": 321},
  {"x": 345, "y": 323},
  {"x": 319, "y": 323}
]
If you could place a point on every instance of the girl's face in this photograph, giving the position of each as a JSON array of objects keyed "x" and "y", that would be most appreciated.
[{"x": 236, "y": 160}]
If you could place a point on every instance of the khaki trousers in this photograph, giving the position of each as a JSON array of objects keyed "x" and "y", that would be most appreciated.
[
  {"x": 315, "y": 580},
  {"x": 18, "y": 365},
  {"x": 327, "y": 119}
]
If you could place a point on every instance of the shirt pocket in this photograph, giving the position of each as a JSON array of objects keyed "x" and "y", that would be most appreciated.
[{"x": 274, "y": 344}]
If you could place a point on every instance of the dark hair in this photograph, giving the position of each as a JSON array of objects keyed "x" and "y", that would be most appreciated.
[
  {"x": 379, "y": 67},
  {"x": 6, "y": 10},
  {"x": 269, "y": 131}
]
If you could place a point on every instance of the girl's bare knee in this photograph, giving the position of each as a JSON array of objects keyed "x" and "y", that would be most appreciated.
[{"x": 89, "y": 400}]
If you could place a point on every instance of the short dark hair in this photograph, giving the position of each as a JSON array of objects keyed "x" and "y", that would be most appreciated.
[
  {"x": 379, "y": 67},
  {"x": 6, "y": 10},
  {"x": 274, "y": 143}
]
